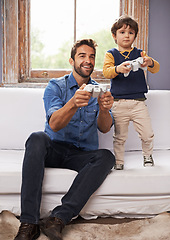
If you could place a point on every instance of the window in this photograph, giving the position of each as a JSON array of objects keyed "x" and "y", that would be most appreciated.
[{"x": 16, "y": 26}]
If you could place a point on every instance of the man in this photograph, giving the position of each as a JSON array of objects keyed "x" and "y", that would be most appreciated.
[{"x": 69, "y": 141}]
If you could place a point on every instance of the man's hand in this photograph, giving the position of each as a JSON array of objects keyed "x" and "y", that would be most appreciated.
[
  {"x": 81, "y": 97},
  {"x": 105, "y": 101},
  {"x": 104, "y": 120}
]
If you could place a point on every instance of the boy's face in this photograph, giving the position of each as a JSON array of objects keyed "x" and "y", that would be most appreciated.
[{"x": 124, "y": 38}]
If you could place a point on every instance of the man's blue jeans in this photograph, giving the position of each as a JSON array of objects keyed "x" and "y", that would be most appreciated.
[{"x": 41, "y": 152}]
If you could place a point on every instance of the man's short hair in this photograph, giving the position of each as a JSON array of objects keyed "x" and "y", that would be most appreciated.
[
  {"x": 124, "y": 20},
  {"x": 89, "y": 42}
]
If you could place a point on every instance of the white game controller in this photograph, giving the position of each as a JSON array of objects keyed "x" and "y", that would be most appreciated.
[
  {"x": 135, "y": 65},
  {"x": 97, "y": 90}
]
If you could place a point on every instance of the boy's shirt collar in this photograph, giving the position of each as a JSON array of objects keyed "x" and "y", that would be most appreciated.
[{"x": 126, "y": 53}]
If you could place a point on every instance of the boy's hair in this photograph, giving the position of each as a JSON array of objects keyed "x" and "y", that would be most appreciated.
[
  {"x": 124, "y": 20},
  {"x": 89, "y": 42}
]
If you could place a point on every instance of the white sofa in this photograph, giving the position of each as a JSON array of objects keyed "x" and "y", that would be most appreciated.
[{"x": 134, "y": 192}]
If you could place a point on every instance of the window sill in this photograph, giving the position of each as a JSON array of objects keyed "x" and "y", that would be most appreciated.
[{"x": 24, "y": 85}]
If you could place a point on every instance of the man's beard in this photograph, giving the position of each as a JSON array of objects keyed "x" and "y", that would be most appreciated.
[{"x": 79, "y": 71}]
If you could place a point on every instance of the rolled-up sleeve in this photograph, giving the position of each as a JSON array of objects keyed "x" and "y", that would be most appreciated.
[{"x": 52, "y": 99}]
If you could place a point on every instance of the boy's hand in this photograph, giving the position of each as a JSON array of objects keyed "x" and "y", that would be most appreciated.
[
  {"x": 123, "y": 68},
  {"x": 147, "y": 61}
]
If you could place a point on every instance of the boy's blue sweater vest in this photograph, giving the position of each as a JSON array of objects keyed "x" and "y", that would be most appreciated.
[{"x": 134, "y": 85}]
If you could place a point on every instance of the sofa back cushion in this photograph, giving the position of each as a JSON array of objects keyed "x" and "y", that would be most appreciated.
[
  {"x": 21, "y": 112},
  {"x": 158, "y": 102}
]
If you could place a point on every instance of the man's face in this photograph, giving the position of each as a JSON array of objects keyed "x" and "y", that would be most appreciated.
[{"x": 84, "y": 61}]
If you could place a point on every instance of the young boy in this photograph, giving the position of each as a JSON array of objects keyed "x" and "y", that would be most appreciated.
[{"x": 128, "y": 87}]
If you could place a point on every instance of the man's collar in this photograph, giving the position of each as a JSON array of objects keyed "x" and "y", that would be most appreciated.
[{"x": 72, "y": 81}]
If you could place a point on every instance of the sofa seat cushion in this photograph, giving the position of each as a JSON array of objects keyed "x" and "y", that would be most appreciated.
[
  {"x": 133, "y": 180},
  {"x": 55, "y": 180},
  {"x": 136, "y": 180}
]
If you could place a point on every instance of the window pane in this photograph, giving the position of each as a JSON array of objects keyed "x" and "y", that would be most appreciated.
[
  {"x": 95, "y": 19},
  {"x": 52, "y": 30}
]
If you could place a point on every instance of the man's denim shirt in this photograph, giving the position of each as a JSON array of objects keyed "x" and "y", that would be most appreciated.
[{"x": 81, "y": 131}]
